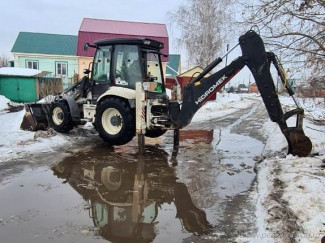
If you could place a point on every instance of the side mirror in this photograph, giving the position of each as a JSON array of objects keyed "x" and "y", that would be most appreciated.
[
  {"x": 87, "y": 46},
  {"x": 86, "y": 71}
]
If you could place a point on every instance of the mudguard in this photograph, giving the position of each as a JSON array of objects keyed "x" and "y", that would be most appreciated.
[{"x": 126, "y": 93}]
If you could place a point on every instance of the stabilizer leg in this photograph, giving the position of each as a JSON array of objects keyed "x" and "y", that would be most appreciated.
[
  {"x": 175, "y": 147},
  {"x": 141, "y": 143}
]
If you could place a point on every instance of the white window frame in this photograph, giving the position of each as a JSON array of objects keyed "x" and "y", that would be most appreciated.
[
  {"x": 32, "y": 64},
  {"x": 60, "y": 73}
]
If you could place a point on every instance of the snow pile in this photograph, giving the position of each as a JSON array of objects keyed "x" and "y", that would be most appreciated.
[
  {"x": 4, "y": 103},
  {"x": 291, "y": 198},
  {"x": 294, "y": 200},
  {"x": 16, "y": 143},
  {"x": 15, "y": 71},
  {"x": 304, "y": 180},
  {"x": 276, "y": 143}
]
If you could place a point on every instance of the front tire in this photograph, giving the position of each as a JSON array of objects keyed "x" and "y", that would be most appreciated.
[
  {"x": 115, "y": 121},
  {"x": 60, "y": 118}
]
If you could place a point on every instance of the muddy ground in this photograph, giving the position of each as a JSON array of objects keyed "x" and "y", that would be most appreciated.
[{"x": 100, "y": 194}]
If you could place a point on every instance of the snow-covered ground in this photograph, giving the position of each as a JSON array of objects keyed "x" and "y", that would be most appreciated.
[
  {"x": 16, "y": 143},
  {"x": 3, "y": 103},
  {"x": 290, "y": 190},
  {"x": 224, "y": 104}
]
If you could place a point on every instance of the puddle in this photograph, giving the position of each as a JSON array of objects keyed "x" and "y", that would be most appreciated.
[
  {"x": 220, "y": 176},
  {"x": 102, "y": 193},
  {"x": 115, "y": 194},
  {"x": 131, "y": 197}
]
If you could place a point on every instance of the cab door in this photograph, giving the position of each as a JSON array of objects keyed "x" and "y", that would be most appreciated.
[{"x": 101, "y": 73}]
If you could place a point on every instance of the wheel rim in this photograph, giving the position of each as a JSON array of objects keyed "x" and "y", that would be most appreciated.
[
  {"x": 57, "y": 116},
  {"x": 112, "y": 121}
]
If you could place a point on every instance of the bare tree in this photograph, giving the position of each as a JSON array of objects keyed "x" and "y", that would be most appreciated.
[
  {"x": 4, "y": 61},
  {"x": 202, "y": 26},
  {"x": 295, "y": 28}
]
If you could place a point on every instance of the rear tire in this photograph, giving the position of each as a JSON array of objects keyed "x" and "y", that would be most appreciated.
[
  {"x": 60, "y": 118},
  {"x": 115, "y": 121}
]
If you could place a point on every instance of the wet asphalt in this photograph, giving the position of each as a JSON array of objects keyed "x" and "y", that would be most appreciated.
[{"x": 105, "y": 194}]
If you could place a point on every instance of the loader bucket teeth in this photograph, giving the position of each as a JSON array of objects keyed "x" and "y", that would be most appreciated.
[{"x": 298, "y": 143}]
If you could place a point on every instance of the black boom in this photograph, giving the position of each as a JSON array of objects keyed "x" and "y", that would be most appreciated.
[{"x": 254, "y": 56}]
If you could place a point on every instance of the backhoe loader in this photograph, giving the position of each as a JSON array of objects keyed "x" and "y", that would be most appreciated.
[{"x": 124, "y": 94}]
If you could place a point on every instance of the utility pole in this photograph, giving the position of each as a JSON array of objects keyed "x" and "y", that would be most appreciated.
[{"x": 224, "y": 88}]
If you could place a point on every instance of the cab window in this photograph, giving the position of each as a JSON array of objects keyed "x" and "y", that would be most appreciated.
[
  {"x": 153, "y": 72},
  {"x": 102, "y": 64},
  {"x": 128, "y": 69}
]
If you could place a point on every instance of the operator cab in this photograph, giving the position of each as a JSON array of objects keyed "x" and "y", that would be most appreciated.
[{"x": 123, "y": 62}]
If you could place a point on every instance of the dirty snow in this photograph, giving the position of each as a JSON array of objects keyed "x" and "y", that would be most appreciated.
[
  {"x": 17, "y": 143},
  {"x": 19, "y": 71},
  {"x": 302, "y": 181}
]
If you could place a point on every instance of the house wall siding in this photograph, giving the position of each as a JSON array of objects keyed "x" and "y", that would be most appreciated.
[
  {"x": 84, "y": 64},
  {"x": 48, "y": 63}
]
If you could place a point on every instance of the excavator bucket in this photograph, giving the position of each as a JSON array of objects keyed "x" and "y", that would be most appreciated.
[
  {"x": 298, "y": 143},
  {"x": 35, "y": 117}
]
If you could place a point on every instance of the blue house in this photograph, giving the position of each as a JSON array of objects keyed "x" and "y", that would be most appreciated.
[{"x": 48, "y": 52}]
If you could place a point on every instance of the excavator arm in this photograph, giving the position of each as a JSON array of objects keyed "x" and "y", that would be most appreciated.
[{"x": 199, "y": 90}]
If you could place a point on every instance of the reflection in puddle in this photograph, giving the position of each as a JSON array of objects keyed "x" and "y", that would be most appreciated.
[{"x": 127, "y": 192}]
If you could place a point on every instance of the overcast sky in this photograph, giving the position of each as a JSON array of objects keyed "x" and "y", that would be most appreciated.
[{"x": 65, "y": 16}]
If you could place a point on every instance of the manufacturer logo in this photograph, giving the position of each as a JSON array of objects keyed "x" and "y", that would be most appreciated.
[{"x": 210, "y": 90}]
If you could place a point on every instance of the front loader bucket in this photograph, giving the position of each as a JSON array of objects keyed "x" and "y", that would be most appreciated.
[
  {"x": 35, "y": 117},
  {"x": 298, "y": 143}
]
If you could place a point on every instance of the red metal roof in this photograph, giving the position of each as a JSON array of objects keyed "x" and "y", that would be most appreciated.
[
  {"x": 96, "y": 29},
  {"x": 123, "y": 27}
]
